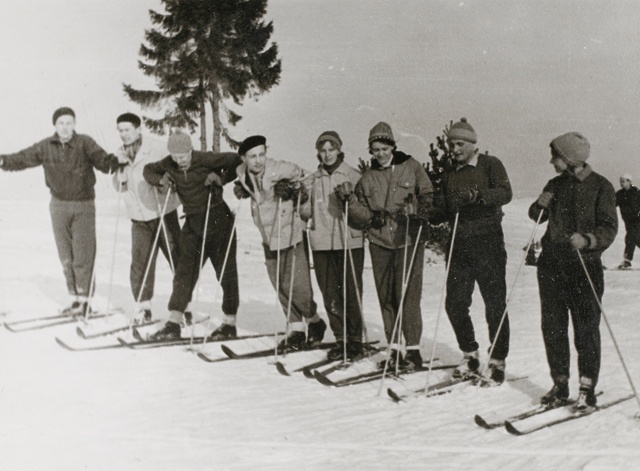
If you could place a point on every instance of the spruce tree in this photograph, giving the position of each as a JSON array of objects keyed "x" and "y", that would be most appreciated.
[{"x": 206, "y": 52}]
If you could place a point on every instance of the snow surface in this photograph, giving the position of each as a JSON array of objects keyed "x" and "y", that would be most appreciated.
[{"x": 165, "y": 409}]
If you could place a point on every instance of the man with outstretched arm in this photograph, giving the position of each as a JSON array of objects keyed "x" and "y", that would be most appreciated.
[
  {"x": 275, "y": 188},
  {"x": 144, "y": 206},
  {"x": 69, "y": 160},
  {"x": 196, "y": 176},
  {"x": 579, "y": 206}
]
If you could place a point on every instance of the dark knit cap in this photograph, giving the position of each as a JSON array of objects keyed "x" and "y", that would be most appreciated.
[
  {"x": 179, "y": 143},
  {"x": 330, "y": 136},
  {"x": 462, "y": 130},
  {"x": 64, "y": 111},
  {"x": 571, "y": 147},
  {"x": 381, "y": 132},
  {"x": 251, "y": 142},
  {"x": 129, "y": 118}
]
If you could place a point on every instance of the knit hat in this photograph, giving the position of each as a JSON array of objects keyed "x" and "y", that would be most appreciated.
[
  {"x": 179, "y": 143},
  {"x": 129, "y": 118},
  {"x": 381, "y": 132},
  {"x": 627, "y": 176},
  {"x": 462, "y": 130},
  {"x": 571, "y": 147},
  {"x": 64, "y": 111},
  {"x": 251, "y": 142},
  {"x": 330, "y": 136}
]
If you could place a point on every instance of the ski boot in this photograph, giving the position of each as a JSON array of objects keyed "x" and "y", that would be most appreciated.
[
  {"x": 468, "y": 367},
  {"x": 170, "y": 331},
  {"x": 224, "y": 332},
  {"x": 315, "y": 332}
]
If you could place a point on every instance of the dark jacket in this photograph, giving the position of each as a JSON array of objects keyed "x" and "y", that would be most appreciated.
[
  {"x": 629, "y": 203},
  {"x": 490, "y": 179},
  {"x": 190, "y": 184},
  {"x": 68, "y": 167},
  {"x": 583, "y": 203}
]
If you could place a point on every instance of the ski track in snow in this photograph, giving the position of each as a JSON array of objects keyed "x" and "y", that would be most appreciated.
[{"x": 165, "y": 409}]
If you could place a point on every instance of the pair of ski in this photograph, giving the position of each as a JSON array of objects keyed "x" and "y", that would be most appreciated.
[
  {"x": 544, "y": 416},
  {"x": 38, "y": 323},
  {"x": 233, "y": 355}
]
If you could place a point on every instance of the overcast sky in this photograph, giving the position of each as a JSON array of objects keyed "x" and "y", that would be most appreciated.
[{"x": 521, "y": 72}]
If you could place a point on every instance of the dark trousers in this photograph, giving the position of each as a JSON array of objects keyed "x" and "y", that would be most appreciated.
[
  {"x": 631, "y": 241},
  {"x": 329, "y": 268},
  {"x": 564, "y": 289},
  {"x": 219, "y": 229},
  {"x": 143, "y": 235},
  {"x": 481, "y": 259},
  {"x": 388, "y": 265},
  {"x": 302, "y": 303},
  {"x": 74, "y": 230}
]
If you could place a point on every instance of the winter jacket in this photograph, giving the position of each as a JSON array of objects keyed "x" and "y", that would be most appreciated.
[
  {"x": 489, "y": 177},
  {"x": 326, "y": 214},
  {"x": 583, "y": 203},
  {"x": 68, "y": 167},
  {"x": 139, "y": 196},
  {"x": 264, "y": 204},
  {"x": 629, "y": 203},
  {"x": 386, "y": 190},
  {"x": 190, "y": 184}
]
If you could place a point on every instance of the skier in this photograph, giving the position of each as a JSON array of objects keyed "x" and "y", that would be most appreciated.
[
  {"x": 579, "y": 205},
  {"x": 628, "y": 199},
  {"x": 198, "y": 176},
  {"x": 326, "y": 237},
  {"x": 475, "y": 190},
  {"x": 273, "y": 187},
  {"x": 391, "y": 202},
  {"x": 68, "y": 160},
  {"x": 144, "y": 208}
]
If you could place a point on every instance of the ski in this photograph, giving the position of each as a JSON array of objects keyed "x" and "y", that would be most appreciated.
[
  {"x": 556, "y": 416},
  {"x": 66, "y": 346},
  {"x": 270, "y": 351},
  {"x": 46, "y": 322},
  {"x": 282, "y": 369},
  {"x": 208, "y": 359},
  {"x": 87, "y": 335},
  {"x": 490, "y": 424},
  {"x": 144, "y": 344},
  {"x": 308, "y": 369},
  {"x": 371, "y": 376},
  {"x": 437, "y": 389}
]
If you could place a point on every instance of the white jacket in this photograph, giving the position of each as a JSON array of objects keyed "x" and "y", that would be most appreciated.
[{"x": 144, "y": 202}]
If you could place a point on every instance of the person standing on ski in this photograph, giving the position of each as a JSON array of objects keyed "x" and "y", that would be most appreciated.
[
  {"x": 391, "y": 202},
  {"x": 276, "y": 188},
  {"x": 69, "y": 160},
  {"x": 144, "y": 206},
  {"x": 327, "y": 240},
  {"x": 475, "y": 190},
  {"x": 628, "y": 200},
  {"x": 579, "y": 208},
  {"x": 197, "y": 176}
]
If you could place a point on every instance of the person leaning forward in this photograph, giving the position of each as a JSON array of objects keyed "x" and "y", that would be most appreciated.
[
  {"x": 69, "y": 160},
  {"x": 198, "y": 176}
]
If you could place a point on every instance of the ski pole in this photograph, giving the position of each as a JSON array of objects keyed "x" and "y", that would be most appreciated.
[
  {"x": 606, "y": 321},
  {"x": 293, "y": 269},
  {"x": 154, "y": 247},
  {"x": 442, "y": 297},
  {"x": 345, "y": 229},
  {"x": 275, "y": 317},
  {"x": 113, "y": 252},
  {"x": 165, "y": 233},
  {"x": 224, "y": 265},
  {"x": 400, "y": 308}
]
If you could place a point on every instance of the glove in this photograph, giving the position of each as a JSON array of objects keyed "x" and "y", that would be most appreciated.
[
  {"x": 122, "y": 181},
  {"x": 240, "y": 191},
  {"x": 286, "y": 190},
  {"x": 213, "y": 179},
  {"x": 363, "y": 166},
  {"x": 464, "y": 197},
  {"x": 166, "y": 183},
  {"x": 545, "y": 198},
  {"x": 578, "y": 241},
  {"x": 378, "y": 220},
  {"x": 344, "y": 191}
]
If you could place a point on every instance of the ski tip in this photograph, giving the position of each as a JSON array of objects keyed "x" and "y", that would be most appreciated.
[
  {"x": 481, "y": 422},
  {"x": 394, "y": 395},
  {"x": 322, "y": 379},
  {"x": 62, "y": 344},
  {"x": 80, "y": 332},
  {"x": 282, "y": 369},
  {"x": 124, "y": 342},
  {"x": 136, "y": 334},
  {"x": 308, "y": 373},
  {"x": 511, "y": 428},
  {"x": 204, "y": 357},
  {"x": 227, "y": 351}
]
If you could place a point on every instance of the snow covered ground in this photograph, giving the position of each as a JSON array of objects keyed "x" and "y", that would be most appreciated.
[{"x": 165, "y": 409}]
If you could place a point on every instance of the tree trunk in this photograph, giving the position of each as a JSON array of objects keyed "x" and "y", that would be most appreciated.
[
  {"x": 203, "y": 123},
  {"x": 217, "y": 128}
]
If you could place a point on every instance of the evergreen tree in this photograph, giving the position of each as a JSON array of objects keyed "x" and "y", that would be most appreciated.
[{"x": 206, "y": 52}]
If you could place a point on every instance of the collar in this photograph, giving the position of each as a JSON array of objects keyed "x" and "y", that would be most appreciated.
[
  {"x": 70, "y": 142},
  {"x": 472, "y": 163},
  {"x": 583, "y": 174},
  {"x": 398, "y": 158}
]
